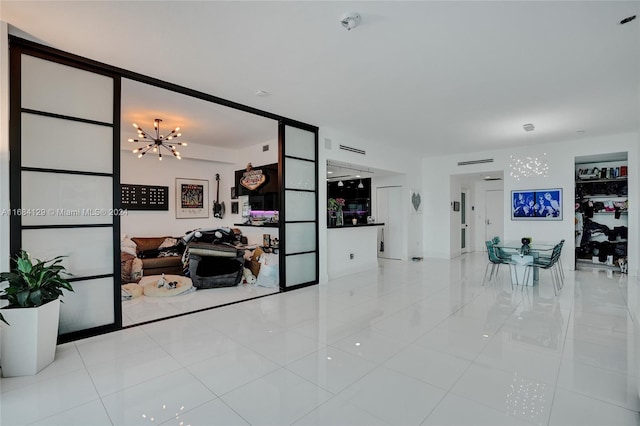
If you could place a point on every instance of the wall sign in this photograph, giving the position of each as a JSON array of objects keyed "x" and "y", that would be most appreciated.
[
  {"x": 144, "y": 197},
  {"x": 257, "y": 181},
  {"x": 252, "y": 179}
]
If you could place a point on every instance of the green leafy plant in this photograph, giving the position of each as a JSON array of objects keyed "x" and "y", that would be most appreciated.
[{"x": 33, "y": 284}]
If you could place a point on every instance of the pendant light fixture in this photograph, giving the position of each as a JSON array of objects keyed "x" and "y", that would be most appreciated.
[
  {"x": 528, "y": 165},
  {"x": 158, "y": 141},
  {"x": 340, "y": 183},
  {"x": 360, "y": 185}
]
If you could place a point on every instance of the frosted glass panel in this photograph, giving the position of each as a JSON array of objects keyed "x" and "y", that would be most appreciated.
[
  {"x": 301, "y": 268},
  {"x": 60, "y": 89},
  {"x": 300, "y": 237},
  {"x": 299, "y": 174},
  {"x": 89, "y": 305},
  {"x": 54, "y": 143},
  {"x": 66, "y": 199},
  {"x": 300, "y": 205},
  {"x": 89, "y": 251},
  {"x": 299, "y": 143}
]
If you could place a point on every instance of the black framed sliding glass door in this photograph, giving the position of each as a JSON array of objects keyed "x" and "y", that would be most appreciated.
[
  {"x": 299, "y": 232},
  {"x": 64, "y": 163}
]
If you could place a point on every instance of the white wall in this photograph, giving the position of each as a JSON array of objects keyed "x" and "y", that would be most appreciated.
[
  {"x": 379, "y": 155},
  {"x": 561, "y": 159},
  {"x": 150, "y": 171}
]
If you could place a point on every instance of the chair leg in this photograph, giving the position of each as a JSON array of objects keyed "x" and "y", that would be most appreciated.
[
  {"x": 554, "y": 281},
  {"x": 485, "y": 272},
  {"x": 559, "y": 278},
  {"x": 511, "y": 273},
  {"x": 561, "y": 269}
]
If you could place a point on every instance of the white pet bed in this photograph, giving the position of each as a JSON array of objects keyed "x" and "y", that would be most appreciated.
[{"x": 151, "y": 289}]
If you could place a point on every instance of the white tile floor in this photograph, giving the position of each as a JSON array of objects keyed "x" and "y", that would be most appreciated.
[
  {"x": 145, "y": 308},
  {"x": 407, "y": 344}
]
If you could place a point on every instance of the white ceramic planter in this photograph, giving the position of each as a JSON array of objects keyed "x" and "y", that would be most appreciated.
[{"x": 29, "y": 343}]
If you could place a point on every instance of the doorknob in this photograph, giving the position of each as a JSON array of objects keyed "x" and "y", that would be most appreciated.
[{"x": 488, "y": 222}]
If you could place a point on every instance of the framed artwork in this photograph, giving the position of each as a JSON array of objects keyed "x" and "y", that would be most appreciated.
[
  {"x": 234, "y": 207},
  {"x": 456, "y": 206},
  {"x": 536, "y": 204},
  {"x": 234, "y": 195},
  {"x": 192, "y": 198},
  {"x": 416, "y": 201}
]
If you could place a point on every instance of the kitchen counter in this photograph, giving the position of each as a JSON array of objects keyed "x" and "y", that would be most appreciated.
[
  {"x": 264, "y": 225},
  {"x": 354, "y": 249},
  {"x": 357, "y": 225}
]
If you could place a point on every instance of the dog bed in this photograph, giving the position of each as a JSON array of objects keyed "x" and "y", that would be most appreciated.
[
  {"x": 133, "y": 290},
  {"x": 173, "y": 285}
]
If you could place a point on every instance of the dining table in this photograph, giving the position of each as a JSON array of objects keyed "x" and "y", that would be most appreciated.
[{"x": 522, "y": 255}]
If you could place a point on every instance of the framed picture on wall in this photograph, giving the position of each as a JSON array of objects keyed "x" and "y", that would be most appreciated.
[
  {"x": 536, "y": 204},
  {"x": 192, "y": 198}
]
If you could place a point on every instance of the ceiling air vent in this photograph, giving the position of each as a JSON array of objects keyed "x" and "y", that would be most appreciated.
[
  {"x": 467, "y": 163},
  {"x": 352, "y": 149}
]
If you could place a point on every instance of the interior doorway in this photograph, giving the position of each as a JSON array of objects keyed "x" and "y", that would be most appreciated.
[
  {"x": 387, "y": 200},
  {"x": 494, "y": 214},
  {"x": 465, "y": 233}
]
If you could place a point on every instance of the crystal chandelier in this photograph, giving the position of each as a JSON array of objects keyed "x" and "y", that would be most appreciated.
[
  {"x": 158, "y": 141},
  {"x": 529, "y": 166}
]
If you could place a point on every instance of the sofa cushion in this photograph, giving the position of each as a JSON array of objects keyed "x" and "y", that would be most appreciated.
[
  {"x": 161, "y": 262},
  {"x": 148, "y": 243}
]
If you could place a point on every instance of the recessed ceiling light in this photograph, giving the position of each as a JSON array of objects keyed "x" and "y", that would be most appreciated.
[
  {"x": 357, "y": 176},
  {"x": 261, "y": 92},
  {"x": 329, "y": 172}
]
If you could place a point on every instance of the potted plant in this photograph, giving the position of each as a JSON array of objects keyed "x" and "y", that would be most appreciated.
[{"x": 30, "y": 331}]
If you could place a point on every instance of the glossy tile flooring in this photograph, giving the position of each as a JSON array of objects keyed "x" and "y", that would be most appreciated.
[
  {"x": 409, "y": 343},
  {"x": 144, "y": 308}
]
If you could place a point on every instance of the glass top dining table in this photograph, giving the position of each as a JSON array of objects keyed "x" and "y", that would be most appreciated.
[
  {"x": 535, "y": 246},
  {"x": 521, "y": 256}
]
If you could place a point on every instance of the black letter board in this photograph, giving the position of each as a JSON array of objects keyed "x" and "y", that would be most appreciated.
[{"x": 144, "y": 197}]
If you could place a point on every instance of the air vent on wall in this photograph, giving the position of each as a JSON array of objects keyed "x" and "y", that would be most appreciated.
[
  {"x": 356, "y": 150},
  {"x": 467, "y": 163}
]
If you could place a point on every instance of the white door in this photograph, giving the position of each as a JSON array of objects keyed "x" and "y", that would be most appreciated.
[
  {"x": 389, "y": 212},
  {"x": 494, "y": 214},
  {"x": 464, "y": 224}
]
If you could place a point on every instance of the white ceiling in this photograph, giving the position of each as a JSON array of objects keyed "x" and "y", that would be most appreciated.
[
  {"x": 200, "y": 121},
  {"x": 433, "y": 77}
]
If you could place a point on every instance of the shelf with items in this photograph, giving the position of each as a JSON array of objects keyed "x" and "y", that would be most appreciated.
[
  {"x": 619, "y": 179},
  {"x": 601, "y": 196}
]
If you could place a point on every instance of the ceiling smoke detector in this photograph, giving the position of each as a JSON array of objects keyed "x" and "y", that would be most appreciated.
[{"x": 350, "y": 21}]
